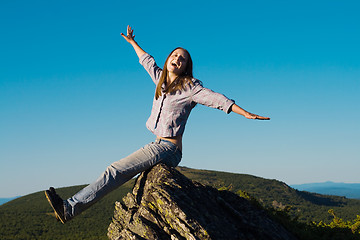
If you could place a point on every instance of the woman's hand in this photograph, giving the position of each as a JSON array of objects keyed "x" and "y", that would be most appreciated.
[
  {"x": 254, "y": 116},
  {"x": 129, "y": 37}
]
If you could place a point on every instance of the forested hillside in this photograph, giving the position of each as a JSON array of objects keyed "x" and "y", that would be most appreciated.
[
  {"x": 306, "y": 206},
  {"x": 30, "y": 217}
]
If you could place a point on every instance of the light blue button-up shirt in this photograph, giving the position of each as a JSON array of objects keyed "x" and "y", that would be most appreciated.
[{"x": 170, "y": 111}]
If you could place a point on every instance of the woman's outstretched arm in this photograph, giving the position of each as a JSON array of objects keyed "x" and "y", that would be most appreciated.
[
  {"x": 129, "y": 37},
  {"x": 236, "y": 109}
]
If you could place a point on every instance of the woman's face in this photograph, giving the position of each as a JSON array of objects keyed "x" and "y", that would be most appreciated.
[{"x": 177, "y": 61}]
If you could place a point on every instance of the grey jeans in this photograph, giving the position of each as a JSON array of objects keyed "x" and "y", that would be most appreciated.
[{"x": 160, "y": 151}]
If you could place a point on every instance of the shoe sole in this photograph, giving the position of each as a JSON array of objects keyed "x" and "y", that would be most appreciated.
[{"x": 57, "y": 215}]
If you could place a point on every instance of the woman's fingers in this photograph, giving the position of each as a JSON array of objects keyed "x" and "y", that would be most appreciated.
[
  {"x": 129, "y": 34},
  {"x": 254, "y": 116},
  {"x": 262, "y": 118}
]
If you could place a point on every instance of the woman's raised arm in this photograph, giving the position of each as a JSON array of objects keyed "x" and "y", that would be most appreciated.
[{"x": 129, "y": 37}]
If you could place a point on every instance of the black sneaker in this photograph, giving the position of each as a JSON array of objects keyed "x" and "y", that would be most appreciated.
[{"x": 56, "y": 203}]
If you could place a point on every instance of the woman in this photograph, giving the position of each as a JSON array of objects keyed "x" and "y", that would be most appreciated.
[{"x": 176, "y": 94}]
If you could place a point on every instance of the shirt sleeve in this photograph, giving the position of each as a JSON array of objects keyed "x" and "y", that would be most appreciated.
[
  {"x": 212, "y": 99},
  {"x": 148, "y": 62}
]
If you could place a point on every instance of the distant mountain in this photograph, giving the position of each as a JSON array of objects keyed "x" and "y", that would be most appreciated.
[
  {"x": 349, "y": 190},
  {"x": 5, "y": 200}
]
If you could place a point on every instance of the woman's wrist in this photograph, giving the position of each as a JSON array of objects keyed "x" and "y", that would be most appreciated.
[
  {"x": 133, "y": 42},
  {"x": 236, "y": 109}
]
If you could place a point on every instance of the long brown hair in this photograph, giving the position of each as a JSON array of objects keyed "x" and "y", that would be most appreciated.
[{"x": 180, "y": 82}]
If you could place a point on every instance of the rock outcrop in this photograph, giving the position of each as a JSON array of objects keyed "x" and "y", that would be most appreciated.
[{"x": 164, "y": 204}]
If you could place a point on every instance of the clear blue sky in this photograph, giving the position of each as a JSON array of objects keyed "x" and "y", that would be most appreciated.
[{"x": 74, "y": 99}]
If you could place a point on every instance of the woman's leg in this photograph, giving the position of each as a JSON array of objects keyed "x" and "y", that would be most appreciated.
[{"x": 122, "y": 171}]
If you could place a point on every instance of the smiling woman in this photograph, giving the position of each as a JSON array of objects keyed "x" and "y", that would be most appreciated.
[
  {"x": 177, "y": 93},
  {"x": 178, "y": 70}
]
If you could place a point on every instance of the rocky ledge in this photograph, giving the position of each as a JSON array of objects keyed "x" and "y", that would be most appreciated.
[{"x": 164, "y": 204}]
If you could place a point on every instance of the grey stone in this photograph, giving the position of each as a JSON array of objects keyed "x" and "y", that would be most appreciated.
[{"x": 164, "y": 204}]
